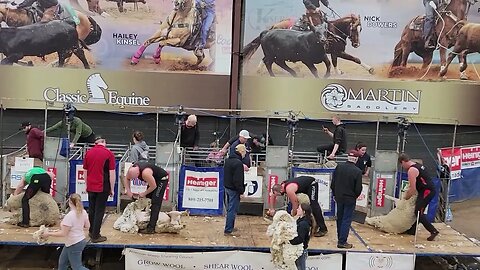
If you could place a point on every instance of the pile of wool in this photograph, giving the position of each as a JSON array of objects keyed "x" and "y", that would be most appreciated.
[
  {"x": 282, "y": 230},
  {"x": 400, "y": 219},
  {"x": 137, "y": 215},
  {"x": 43, "y": 209},
  {"x": 39, "y": 235},
  {"x": 313, "y": 165}
]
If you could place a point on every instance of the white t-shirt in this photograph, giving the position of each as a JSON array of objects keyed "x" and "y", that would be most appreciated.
[{"x": 76, "y": 223}]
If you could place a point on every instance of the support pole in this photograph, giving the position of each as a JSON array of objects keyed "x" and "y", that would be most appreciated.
[
  {"x": 376, "y": 135},
  {"x": 268, "y": 131},
  {"x": 447, "y": 197},
  {"x": 2, "y": 182},
  {"x": 157, "y": 126}
]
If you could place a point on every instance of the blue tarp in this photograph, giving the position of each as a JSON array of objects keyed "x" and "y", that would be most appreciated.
[{"x": 467, "y": 187}]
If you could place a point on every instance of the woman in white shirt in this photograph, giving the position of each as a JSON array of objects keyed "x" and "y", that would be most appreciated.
[{"x": 72, "y": 228}]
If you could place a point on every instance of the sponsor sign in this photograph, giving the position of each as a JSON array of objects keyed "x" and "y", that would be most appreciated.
[
  {"x": 23, "y": 164},
  {"x": 336, "y": 97},
  {"x": 81, "y": 183},
  {"x": 201, "y": 190},
  {"x": 138, "y": 186},
  {"x": 379, "y": 261},
  {"x": 15, "y": 177},
  {"x": 272, "y": 180},
  {"x": 470, "y": 157},
  {"x": 254, "y": 184},
  {"x": 453, "y": 160},
  {"x": 53, "y": 189},
  {"x": 221, "y": 260},
  {"x": 366, "y": 84},
  {"x": 380, "y": 193},
  {"x": 324, "y": 191},
  {"x": 362, "y": 200}
]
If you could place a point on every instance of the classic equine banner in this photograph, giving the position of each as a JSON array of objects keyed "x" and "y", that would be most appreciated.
[
  {"x": 110, "y": 90},
  {"x": 373, "y": 52}
]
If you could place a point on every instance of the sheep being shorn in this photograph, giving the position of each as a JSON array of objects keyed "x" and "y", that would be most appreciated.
[
  {"x": 137, "y": 215},
  {"x": 399, "y": 220},
  {"x": 282, "y": 230},
  {"x": 43, "y": 209}
]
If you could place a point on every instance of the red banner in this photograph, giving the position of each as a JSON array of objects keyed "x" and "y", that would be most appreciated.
[
  {"x": 381, "y": 186},
  {"x": 453, "y": 161},
  {"x": 53, "y": 187},
  {"x": 272, "y": 180}
]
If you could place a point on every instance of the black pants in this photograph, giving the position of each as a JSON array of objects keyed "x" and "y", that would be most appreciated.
[
  {"x": 316, "y": 209},
  {"x": 329, "y": 148},
  {"x": 422, "y": 201},
  {"x": 38, "y": 182},
  {"x": 97, "y": 202},
  {"x": 157, "y": 197},
  {"x": 89, "y": 139}
]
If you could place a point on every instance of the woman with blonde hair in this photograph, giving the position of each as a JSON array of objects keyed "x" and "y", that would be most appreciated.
[{"x": 72, "y": 228}]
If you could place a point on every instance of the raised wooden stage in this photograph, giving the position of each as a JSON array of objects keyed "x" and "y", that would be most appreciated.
[{"x": 206, "y": 233}]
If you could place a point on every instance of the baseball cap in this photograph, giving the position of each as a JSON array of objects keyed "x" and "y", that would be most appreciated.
[
  {"x": 353, "y": 153},
  {"x": 24, "y": 124},
  {"x": 99, "y": 137},
  {"x": 244, "y": 133}
]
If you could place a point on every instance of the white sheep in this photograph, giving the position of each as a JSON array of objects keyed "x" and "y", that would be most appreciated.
[
  {"x": 399, "y": 219},
  {"x": 137, "y": 215},
  {"x": 282, "y": 230},
  {"x": 43, "y": 209}
]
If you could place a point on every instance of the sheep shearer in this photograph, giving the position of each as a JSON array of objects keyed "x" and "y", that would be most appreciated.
[
  {"x": 421, "y": 183},
  {"x": 36, "y": 179},
  {"x": 157, "y": 180},
  {"x": 308, "y": 186}
]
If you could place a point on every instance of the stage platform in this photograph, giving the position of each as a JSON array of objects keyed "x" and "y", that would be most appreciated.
[{"x": 206, "y": 234}]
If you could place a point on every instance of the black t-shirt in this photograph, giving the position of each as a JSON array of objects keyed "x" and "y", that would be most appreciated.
[
  {"x": 158, "y": 173},
  {"x": 340, "y": 138},
  {"x": 364, "y": 162},
  {"x": 424, "y": 181},
  {"x": 303, "y": 182}
]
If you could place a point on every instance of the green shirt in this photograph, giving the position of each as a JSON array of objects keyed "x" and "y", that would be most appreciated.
[
  {"x": 32, "y": 172},
  {"x": 77, "y": 126}
]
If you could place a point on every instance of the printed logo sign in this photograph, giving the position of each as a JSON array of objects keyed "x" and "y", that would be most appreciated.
[
  {"x": 201, "y": 190},
  {"x": 454, "y": 161},
  {"x": 379, "y": 261},
  {"x": 336, "y": 97},
  {"x": 253, "y": 188},
  {"x": 97, "y": 93},
  {"x": 381, "y": 187},
  {"x": 470, "y": 157},
  {"x": 53, "y": 189}
]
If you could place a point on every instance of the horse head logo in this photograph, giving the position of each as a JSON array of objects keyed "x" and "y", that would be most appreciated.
[
  {"x": 95, "y": 87},
  {"x": 334, "y": 96}
]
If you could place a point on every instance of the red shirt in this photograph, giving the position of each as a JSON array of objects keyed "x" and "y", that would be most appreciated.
[
  {"x": 35, "y": 143},
  {"x": 98, "y": 162}
]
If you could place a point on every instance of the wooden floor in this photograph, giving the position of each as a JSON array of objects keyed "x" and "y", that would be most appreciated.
[{"x": 206, "y": 233}]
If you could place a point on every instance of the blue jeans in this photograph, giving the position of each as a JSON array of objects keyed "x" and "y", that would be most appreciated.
[
  {"x": 208, "y": 15},
  {"x": 301, "y": 262},
  {"x": 233, "y": 203},
  {"x": 429, "y": 22},
  {"x": 344, "y": 220},
  {"x": 72, "y": 256}
]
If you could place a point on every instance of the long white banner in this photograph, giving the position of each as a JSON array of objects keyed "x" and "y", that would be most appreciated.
[
  {"x": 222, "y": 260},
  {"x": 379, "y": 261}
]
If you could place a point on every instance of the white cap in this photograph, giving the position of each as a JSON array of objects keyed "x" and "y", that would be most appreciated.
[{"x": 244, "y": 133}]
